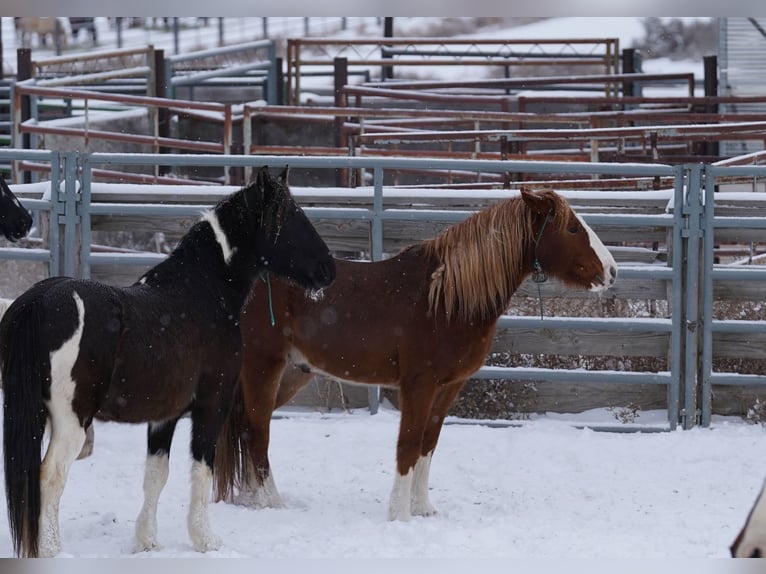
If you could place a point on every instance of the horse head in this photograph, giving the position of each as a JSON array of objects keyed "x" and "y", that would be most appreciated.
[
  {"x": 287, "y": 243},
  {"x": 15, "y": 221},
  {"x": 565, "y": 246}
]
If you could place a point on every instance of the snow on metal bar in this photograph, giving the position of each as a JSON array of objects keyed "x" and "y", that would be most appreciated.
[
  {"x": 596, "y": 324},
  {"x": 572, "y": 375}
]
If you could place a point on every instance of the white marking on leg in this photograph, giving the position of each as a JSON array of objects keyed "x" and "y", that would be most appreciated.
[
  {"x": 754, "y": 535},
  {"x": 607, "y": 261},
  {"x": 201, "y": 535},
  {"x": 401, "y": 494},
  {"x": 155, "y": 478},
  {"x": 421, "y": 503},
  {"x": 67, "y": 437},
  {"x": 220, "y": 235}
]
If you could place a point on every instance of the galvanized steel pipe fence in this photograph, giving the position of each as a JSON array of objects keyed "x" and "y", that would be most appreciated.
[{"x": 690, "y": 223}]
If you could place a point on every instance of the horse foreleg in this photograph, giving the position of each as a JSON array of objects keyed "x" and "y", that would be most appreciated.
[
  {"x": 415, "y": 401},
  {"x": 207, "y": 420},
  {"x": 159, "y": 439},
  {"x": 421, "y": 503}
]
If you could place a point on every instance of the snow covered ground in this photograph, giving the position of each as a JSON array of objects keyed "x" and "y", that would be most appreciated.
[{"x": 544, "y": 489}]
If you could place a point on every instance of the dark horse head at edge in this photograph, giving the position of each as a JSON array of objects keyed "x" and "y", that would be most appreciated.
[{"x": 15, "y": 221}]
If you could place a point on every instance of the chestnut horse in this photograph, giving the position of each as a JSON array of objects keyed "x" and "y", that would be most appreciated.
[
  {"x": 421, "y": 321},
  {"x": 751, "y": 540},
  {"x": 74, "y": 350}
]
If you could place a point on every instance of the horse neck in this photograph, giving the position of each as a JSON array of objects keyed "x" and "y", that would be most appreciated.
[
  {"x": 197, "y": 264},
  {"x": 481, "y": 262}
]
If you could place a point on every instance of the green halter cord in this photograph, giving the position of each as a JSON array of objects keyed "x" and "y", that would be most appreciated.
[
  {"x": 538, "y": 275},
  {"x": 267, "y": 280}
]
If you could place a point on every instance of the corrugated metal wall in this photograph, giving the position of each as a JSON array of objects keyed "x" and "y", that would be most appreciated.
[{"x": 742, "y": 61}]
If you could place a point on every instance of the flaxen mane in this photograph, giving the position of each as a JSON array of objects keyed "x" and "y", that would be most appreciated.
[{"x": 481, "y": 259}]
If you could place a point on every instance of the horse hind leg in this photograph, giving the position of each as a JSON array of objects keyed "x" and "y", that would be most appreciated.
[
  {"x": 66, "y": 439},
  {"x": 159, "y": 439}
]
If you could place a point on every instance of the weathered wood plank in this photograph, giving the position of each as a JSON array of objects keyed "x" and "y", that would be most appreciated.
[{"x": 581, "y": 342}]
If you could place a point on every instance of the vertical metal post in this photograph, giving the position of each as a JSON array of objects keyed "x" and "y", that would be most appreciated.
[
  {"x": 118, "y": 29},
  {"x": 220, "y": 32},
  {"x": 708, "y": 245},
  {"x": 377, "y": 255},
  {"x": 54, "y": 233},
  {"x": 677, "y": 300},
  {"x": 70, "y": 217},
  {"x": 85, "y": 224},
  {"x": 693, "y": 207},
  {"x": 176, "y": 34}
]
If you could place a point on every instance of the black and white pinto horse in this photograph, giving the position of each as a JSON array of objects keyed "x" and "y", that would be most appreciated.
[
  {"x": 15, "y": 221},
  {"x": 75, "y": 350},
  {"x": 751, "y": 540}
]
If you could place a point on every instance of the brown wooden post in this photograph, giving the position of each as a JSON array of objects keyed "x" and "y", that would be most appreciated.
[
  {"x": 387, "y": 72},
  {"x": 280, "y": 80},
  {"x": 163, "y": 116},
  {"x": 340, "y": 67},
  {"x": 24, "y": 72},
  {"x": 710, "y": 66},
  {"x": 628, "y": 67}
]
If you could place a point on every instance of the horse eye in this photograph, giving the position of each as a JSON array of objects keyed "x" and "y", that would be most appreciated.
[{"x": 574, "y": 229}]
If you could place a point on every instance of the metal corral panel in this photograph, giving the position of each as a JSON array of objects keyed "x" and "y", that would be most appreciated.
[{"x": 742, "y": 61}]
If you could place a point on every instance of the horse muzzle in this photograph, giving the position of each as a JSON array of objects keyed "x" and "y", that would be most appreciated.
[{"x": 605, "y": 281}]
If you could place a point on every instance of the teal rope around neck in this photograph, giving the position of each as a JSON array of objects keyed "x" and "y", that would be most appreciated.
[
  {"x": 538, "y": 275},
  {"x": 267, "y": 280}
]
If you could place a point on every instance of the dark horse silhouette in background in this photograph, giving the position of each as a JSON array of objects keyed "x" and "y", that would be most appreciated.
[
  {"x": 15, "y": 221},
  {"x": 75, "y": 350},
  {"x": 421, "y": 321}
]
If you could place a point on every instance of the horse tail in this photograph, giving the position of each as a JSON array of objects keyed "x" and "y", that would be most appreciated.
[
  {"x": 24, "y": 419},
  {"x": 230, "y": 451}
]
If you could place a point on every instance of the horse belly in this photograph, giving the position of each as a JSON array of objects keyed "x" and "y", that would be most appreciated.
[
  {"x": 138, "y": 395},
  {"x": 361, "y": 366}
]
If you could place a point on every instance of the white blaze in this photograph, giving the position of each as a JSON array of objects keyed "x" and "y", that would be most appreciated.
[
  {"x": 607, "y": 261},
  {"x": 220, "y": 236}
]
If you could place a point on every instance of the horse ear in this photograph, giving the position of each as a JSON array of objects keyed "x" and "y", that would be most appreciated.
[
  {"x": 283, "y": 175},
  {"x": 539, "y": 203},
  {"x": 263, "y": 175}
]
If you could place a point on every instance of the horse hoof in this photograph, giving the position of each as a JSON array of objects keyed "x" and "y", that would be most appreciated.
[
  {"x": 424, "y": 510},
  {"x": 209, "y": 543},
  {"x": 145, "y": 546},
  {"x": 257, "y": 499}
]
